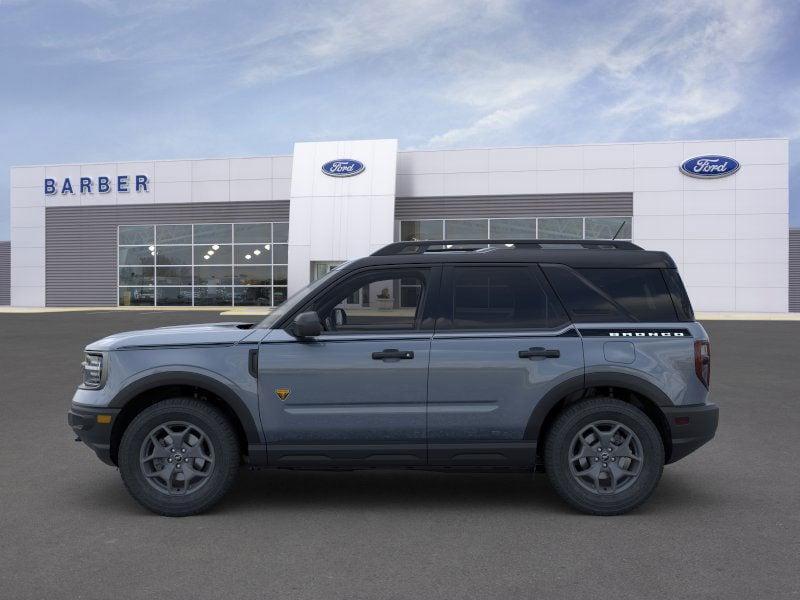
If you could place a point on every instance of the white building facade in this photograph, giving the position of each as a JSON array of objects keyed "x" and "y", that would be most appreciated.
[{"x": 249, "y": 231}]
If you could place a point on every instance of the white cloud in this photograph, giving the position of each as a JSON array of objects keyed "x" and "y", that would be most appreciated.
[
  {"x": 298, "y": 44},
  {"x": 670, "y": 64},
  {"x": 500, "y": 119}
]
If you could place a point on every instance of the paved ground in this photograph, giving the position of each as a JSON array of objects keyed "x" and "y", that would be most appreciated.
[{"x": 724, "y": 523}]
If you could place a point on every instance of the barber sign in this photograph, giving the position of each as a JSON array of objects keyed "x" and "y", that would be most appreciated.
[
  {"x": 343, "y": 167},
  {"x": 711, "y": 166}
]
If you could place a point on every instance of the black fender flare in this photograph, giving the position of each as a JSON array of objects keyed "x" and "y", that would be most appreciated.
[
  {"x": 188, "y": 378},
  {"x": 584, "y": 382}
]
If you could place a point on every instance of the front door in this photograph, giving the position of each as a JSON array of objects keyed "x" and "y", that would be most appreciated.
[
  {"x": 356, "y": 394},
  {"x": 502, "y": 342}
]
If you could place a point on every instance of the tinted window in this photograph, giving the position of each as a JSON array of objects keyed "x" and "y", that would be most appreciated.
[
  {"x": 500, "y": 298},
  {"x": 679, "y": 296},
  {"x": 596, "y": 295}
]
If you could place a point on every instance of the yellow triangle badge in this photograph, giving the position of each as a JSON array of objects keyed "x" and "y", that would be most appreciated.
[{"x": 283, "y": 393}]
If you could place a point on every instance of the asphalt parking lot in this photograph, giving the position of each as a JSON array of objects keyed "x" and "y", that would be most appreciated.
[{"x": 724, "y": 522}]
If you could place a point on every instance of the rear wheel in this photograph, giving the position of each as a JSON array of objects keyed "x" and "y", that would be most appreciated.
[
  {"x": 179, "y": 457},
  {"x": 604, "y": 456}
]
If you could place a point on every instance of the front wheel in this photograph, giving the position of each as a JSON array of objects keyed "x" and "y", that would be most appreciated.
[
  {"x": 604, "y": 456},
  {"x": 179, "y": 457}
]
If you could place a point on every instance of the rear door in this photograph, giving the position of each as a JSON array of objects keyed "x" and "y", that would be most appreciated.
[{"x": 502, "y": 342}]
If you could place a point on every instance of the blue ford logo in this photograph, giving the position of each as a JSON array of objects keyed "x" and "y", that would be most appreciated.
[
  {"x": 343, "y": 167},
  {"x": 710, "y": 166}
]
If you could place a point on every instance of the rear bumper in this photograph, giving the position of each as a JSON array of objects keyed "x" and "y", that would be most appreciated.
[
  {"x": 83, "y": 421},
  {"x": 690, "y": 427}
]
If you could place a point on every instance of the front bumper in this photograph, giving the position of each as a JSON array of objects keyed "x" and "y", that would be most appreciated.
[
  {"x": 96, "y": 435},
  {"x": 690, "y": 427}
]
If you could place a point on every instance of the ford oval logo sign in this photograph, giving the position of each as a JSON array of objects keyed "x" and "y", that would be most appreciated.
[
  {"x": 710, "y": 166},
  {"x": 343, "y": 167}
]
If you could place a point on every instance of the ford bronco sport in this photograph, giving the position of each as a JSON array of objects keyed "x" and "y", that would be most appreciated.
[{"x": 581, "y": 359}]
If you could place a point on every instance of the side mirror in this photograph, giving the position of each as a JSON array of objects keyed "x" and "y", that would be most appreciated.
[{"x": 307, "y": 325}]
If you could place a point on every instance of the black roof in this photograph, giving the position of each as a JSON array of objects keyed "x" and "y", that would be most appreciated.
[{"x": 573, "y": 253}]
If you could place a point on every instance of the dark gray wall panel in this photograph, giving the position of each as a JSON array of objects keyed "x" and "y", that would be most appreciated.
[
  {"x": 550, "y": 205},
  {"x": 794, "y": 270},
  {"x": 82, "y": 241},
  {"x": 5, "y": 273}
]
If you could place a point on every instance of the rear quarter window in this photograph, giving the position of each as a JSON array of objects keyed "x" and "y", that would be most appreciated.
[{"x": 597, "y": 295}]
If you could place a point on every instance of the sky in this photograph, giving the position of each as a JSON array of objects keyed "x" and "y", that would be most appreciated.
[{"x": 96, "y": 80}]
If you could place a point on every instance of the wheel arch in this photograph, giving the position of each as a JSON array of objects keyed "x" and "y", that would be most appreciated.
[
  {"x": 628, "y": 388},
  {"x": 148, "y": 390}
]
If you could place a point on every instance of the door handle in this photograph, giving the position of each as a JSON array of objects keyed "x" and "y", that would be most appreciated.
[
  {"x": 393, "y": 353},
  {"x": 539, "y": 353}
]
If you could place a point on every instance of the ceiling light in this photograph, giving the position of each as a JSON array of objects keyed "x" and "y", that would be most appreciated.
[
  {"x": 211, "y": 253},
  {"x": 215, "y": 247},
  {"x": 206, "y": 257},
  {"x": 256, "y": 252},
  {"x": 247, "y": 257},
  {"x": 266, "y": 246},
  {"x": 151, "y": 248}
]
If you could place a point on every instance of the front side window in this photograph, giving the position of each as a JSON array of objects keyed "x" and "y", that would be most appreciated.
[
  {"x": 382, "y": 300},
  {"x": 499, "y": 298}
]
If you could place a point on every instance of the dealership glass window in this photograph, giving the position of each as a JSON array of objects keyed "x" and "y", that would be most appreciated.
[
  {"x": 512, "y": 229},
  {"x": 605, "y": 228},
  {"x": 565, "y": 228},
  {"x": 135, "y": 235},
  {"x": 466, "y": 229},
  {"x": 205, "y": 264},
  {"x": 173, "y": 234},
  {"x": 415, "y": 231},
  {"x": 561, "y": 228}
]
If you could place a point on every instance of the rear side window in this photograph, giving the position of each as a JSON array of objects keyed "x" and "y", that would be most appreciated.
[
  {"x": 499, "y": 298},
  {"x": 679, "y": 296},
  {"x": 597, "y": 295}
]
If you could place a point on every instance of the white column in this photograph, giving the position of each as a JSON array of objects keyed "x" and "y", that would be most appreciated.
[{"x": 339, "y": 218}]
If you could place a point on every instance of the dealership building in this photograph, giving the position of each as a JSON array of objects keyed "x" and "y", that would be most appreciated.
[{"x": 249, "y": 231}]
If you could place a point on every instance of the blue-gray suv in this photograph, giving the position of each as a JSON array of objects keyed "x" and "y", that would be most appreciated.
[{"x": 581, "y": 359}]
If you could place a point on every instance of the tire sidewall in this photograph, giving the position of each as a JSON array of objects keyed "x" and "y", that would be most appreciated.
[
  {"x": 557, "y": 456},
  {"x": 226, "y": 459}
]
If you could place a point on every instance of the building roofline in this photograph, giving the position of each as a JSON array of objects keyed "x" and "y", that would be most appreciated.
[{"x": 404, "y": 150}]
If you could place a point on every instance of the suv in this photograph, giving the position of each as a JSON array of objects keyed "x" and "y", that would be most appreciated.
[{"x": 581, "y": 359}]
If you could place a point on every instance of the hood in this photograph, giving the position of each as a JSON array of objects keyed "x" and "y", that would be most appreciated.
[{"x": 180, "y": 335}]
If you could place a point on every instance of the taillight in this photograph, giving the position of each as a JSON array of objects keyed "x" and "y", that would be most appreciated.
[{"x": 702, "y": 361}]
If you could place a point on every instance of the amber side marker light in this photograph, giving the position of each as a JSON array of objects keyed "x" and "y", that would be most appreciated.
[{"x": 104, "y": 419}]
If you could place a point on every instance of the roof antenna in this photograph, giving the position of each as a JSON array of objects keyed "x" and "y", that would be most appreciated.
[{"x": 618, "y": 230}]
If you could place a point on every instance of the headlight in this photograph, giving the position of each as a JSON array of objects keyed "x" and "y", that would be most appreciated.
[{"x": 93, "y": 370}]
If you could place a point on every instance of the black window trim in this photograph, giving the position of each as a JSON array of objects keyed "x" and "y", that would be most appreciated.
[
  {"x": 424, "y": 322},
  {"x": 444, "y": 324}
]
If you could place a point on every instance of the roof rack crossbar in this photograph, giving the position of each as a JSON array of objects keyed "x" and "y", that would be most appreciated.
[{"x": 445, "y": 245}]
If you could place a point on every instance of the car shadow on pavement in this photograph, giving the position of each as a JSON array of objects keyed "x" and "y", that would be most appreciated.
[{"x": 267, "y": 490}]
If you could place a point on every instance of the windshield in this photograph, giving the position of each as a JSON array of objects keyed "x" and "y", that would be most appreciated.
[{"x": 293, "y": 301}]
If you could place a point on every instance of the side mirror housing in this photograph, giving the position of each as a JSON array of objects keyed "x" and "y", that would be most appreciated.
[{"x": 307, "y": 325}]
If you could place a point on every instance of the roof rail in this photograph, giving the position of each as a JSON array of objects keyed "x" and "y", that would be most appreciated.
[{"x": 449, "y": 245}]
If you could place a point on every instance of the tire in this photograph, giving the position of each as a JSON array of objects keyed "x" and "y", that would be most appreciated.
[
  {"x": 189, "y": 479},
  {"x": 585, "y": 477}
]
